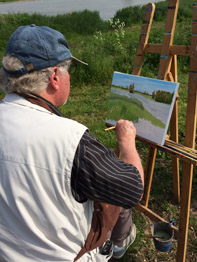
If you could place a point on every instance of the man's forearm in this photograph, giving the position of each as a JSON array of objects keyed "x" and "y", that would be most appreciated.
[
  {"x": 130, "y": 155},
  {"x": 126, "y": 134}
]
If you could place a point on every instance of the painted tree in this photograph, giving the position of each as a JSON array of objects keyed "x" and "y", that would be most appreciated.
[{"x": 131, "y": 88}]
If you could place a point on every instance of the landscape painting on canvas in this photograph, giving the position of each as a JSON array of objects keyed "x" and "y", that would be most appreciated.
[{"x": 147, "y": 102}]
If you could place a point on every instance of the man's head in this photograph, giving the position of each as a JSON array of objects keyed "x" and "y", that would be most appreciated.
[
  {"x": 37, "y": 47},
  {"x": 32, "y": 55}
]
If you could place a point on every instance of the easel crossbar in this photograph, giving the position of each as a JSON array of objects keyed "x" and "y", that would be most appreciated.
[{"x": 182, "y": 50}]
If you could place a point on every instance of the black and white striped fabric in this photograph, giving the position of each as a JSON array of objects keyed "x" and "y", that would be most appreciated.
[{"x": 99, "y": 175}]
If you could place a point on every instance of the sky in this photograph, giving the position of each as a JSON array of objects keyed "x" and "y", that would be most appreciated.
[{"x": 143, "y": 84}]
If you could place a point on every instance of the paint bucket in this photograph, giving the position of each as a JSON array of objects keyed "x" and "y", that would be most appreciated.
[{"x": 166, "y": 234}]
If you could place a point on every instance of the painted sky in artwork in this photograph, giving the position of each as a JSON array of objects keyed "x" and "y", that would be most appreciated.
[{"x": 143, "y": 84}]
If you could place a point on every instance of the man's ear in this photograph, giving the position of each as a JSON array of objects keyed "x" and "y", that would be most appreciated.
[{"x": 54, "y": 79}]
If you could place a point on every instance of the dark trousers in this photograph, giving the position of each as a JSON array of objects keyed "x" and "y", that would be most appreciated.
[{"x": 123, "y": 227}]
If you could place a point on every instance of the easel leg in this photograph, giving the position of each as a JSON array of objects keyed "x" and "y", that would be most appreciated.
[
  {"x": 176, "y": 179},
  {"x": 174, "y": 133},
  {"x": 185, "y": 211},
  {"x": 175, "y": 160},
  {"x": 149, "y": 173}
]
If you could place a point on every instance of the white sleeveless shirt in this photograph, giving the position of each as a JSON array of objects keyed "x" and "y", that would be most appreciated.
[{"x": 39, "y": 218}]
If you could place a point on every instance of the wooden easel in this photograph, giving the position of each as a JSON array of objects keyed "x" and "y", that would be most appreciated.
[{"x": 168, "y": 71}]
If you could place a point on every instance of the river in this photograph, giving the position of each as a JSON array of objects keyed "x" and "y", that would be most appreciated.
[{"x": 107, "y": 9}]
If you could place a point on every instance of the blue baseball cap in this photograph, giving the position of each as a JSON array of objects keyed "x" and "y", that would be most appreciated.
[{"x": 38, "y": 47}]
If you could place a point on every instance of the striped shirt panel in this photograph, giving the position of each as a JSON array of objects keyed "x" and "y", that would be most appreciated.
[{"x": 99, "y": 175}]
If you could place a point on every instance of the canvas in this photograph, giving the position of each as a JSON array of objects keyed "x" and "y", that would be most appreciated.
[{"x": 147, "y": 102}]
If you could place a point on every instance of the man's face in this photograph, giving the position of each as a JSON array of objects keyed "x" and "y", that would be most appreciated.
[{"x": 64, "y": 90}]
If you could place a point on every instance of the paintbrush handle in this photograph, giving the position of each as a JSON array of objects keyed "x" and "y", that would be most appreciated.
[
  {"x": 154, "y": 237},
  {"x": 110, "y": 128}
]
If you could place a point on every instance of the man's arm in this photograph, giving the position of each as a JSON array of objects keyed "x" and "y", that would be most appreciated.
[
  {"x": 126, "y": 134},
  {"x": 98, "y": 174}
]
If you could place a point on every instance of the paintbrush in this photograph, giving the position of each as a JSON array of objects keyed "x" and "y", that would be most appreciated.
[
  {"x": 110, "y": 128},
  {"x": 154, "y": 237}
]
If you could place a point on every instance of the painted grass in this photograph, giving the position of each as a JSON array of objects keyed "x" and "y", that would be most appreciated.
[{"x": 121, "y": 107}]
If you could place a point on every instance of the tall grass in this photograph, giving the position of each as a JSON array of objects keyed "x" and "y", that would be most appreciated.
[{"x": 105, "y": 55}]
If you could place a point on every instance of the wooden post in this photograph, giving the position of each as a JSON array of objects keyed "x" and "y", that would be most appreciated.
[{"x": 190, "y": 134}]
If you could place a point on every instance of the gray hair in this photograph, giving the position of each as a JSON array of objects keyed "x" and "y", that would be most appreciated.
[{"x": 33, "y": 82}]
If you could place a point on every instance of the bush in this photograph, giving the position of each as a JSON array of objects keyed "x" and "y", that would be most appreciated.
[
  {"x": 83, "y": 23},
  {"x": 133, "y": 15},
  {"x": 130, "y": 15}
]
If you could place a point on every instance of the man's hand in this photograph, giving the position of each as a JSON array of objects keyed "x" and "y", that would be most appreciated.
[{"x": 125, "y": 133}]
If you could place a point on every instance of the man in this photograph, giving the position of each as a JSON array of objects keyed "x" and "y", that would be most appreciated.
[{"x": 61, "y": 189}]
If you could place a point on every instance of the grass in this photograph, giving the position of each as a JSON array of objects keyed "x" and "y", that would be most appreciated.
[{"x": 90, "y": 90}]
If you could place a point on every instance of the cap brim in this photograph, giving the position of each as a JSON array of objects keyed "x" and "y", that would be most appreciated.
[{"x": 78, "y": 61}]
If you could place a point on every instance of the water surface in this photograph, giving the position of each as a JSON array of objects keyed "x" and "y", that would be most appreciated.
[{"x": 106, "y": 8}]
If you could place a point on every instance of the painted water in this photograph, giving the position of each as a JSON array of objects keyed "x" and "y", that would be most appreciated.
[{"x": 106, "y": 9}]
